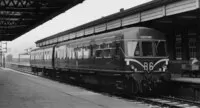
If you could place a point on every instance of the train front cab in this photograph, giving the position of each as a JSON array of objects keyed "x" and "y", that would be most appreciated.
[{"x": 146, "y": 56}]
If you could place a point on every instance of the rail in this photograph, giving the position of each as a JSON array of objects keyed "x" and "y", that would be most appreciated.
[{"x": 166, "y": 101}]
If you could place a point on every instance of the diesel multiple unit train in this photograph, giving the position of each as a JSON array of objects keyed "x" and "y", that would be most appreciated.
[{"x": 133, "y": 59}]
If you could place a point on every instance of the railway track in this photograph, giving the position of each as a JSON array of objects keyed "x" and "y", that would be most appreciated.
[
  {"x": 155, "y": 101},
  {"x": 168, "y": 102}
]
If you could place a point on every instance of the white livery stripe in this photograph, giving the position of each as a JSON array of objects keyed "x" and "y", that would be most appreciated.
[
  {"x": 161, "y": 60},
  {"x": 138, "y": 62},
  {"x": 133, "y": 60}
]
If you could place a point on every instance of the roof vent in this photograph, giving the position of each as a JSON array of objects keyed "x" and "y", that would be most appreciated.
[{"x": 121, "y": 10}]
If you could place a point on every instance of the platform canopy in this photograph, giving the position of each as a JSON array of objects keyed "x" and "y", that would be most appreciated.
[
  {"x": 164, "y": 15},
  {"x": 20, "y": 16}
]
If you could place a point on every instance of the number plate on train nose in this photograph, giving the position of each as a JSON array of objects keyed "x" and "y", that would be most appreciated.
[{"x": 148, "y": 66}]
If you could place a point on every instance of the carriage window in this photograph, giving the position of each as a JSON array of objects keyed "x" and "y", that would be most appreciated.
[
  {"x": 49, "y": 55},
  {"x": 60, "y": 53},
  {"x": 73, "y": 53},
  {"x": 57, "y": 54},
  {"x": 45, "y": 55},
  {"x": 86, "y": 52},
  {"x": 147, "y": 48},
  {"x": 68, "y": 53},
  {"x": 79, "y": 53},
  {"x": 160, "y": 49},
  {"x": 98, "y": 53},
  {"x": 109, "y": 50},
  {"x": 107, "y": 53}
]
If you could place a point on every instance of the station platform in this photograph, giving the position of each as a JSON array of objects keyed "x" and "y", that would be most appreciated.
[
  {"x": 21, "y": 90},
  {"x": 184, "y": 79}
]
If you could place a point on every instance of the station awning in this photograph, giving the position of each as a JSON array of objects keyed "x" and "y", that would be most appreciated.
[
  {"x": 20, "y": 16},
  {"x": 163, "y": 15}
]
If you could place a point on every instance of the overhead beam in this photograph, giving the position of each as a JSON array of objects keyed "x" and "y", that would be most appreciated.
[{"x": 27, "y": 9}]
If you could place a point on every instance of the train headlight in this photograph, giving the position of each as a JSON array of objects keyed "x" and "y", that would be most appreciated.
[
  {"x": 164, "y": 67},
  {"x": 135, "y": 69},
  {"x": 132, "y": 67}
]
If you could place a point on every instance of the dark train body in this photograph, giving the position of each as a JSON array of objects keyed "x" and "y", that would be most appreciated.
[{"x": 133, "y": 59}]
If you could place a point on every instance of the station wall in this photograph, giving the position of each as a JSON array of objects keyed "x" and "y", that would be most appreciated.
[{"x": 183, "y": 46}]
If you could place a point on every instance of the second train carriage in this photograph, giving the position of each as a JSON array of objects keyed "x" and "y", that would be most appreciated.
[{"x": 134, "y": 59}]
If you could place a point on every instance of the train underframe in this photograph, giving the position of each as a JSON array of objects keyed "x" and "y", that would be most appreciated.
[{"x": 132, "y": 83}]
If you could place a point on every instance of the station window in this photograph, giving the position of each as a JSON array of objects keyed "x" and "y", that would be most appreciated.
[
  {"x": 192, "y": 48},
  {"x": 178, "y": 48}
]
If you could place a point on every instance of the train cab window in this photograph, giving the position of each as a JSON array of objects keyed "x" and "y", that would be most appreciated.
[
  {"x": 133, "y": 48},
  {"x": 160, "y": 48},
  {"x": 147, "y": 48},
  {"x": 137, "y": 50}
]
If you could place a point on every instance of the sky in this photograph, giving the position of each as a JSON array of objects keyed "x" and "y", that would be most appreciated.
[{"x": 82, "y": 13}]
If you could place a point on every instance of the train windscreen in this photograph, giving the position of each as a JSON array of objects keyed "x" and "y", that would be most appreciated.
[
  {"x": 160, "y": 48},
  {"x": 146, "y": 48},
  {"x": 133, "y": 48}
]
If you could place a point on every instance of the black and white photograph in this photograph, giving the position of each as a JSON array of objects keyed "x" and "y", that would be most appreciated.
[{"x": 99, "y": 53}]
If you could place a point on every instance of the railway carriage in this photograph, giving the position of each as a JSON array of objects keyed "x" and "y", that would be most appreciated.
[{"x": 133, "y": 59}]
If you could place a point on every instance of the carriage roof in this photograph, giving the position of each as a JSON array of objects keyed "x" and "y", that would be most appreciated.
[{"x": 132, "y": 33}]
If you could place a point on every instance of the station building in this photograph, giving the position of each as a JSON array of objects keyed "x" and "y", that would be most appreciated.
[{"x": 178, "y": 19}]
